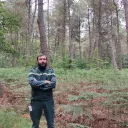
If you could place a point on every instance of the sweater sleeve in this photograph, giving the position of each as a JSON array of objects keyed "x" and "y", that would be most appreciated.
[
  {"x": 52, "y": 79},
  {"x": 33, "y": 81}
]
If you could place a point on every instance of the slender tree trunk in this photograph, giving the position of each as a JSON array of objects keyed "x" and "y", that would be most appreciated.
[
  {"x": 41, "y": 25},
  {"x": 93, "y": 36},
  {"x": 28, "y": 43},
  {"x": 79, "y": 36},
  {"x": 70, "y": 37},
  {"x": 90, "y": 41},
  {"x": 113, "y": 59},
  {"x": 99, "y": 30},
  {"x": 74, "y": 52},
  {"x": 31, "y": 20},
  {"x": 119, "y": 60},
  {"x": 125, "y": 2},
  {"x": 63, "y": 29},
  {"x": 48, "y": 24}
]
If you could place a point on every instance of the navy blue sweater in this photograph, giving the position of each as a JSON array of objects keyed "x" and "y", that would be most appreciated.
[{"x": 40, "y": 90}]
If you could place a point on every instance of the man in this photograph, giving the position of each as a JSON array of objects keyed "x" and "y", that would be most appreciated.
[{"x": 42, "y": 81}]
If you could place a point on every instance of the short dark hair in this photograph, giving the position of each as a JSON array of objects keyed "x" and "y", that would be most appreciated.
[{"x": 42, "y": 55}]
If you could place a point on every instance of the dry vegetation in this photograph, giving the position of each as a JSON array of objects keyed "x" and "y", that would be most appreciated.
[{"x": 77, "y": 105}]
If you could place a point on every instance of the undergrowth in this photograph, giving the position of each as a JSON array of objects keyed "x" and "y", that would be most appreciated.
[
  {"x": 104, "y": 83},
  {"x": 12, "y": 120}
]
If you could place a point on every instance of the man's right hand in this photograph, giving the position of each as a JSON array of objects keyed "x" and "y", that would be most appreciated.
[{"x": 47, "y": 82}]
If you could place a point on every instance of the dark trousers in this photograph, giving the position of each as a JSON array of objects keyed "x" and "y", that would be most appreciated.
[{"x": 36, "y": 112}]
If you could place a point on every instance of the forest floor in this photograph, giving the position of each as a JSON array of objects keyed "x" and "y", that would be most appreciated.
[
  {"x": 72, "y": 107},
  {"x": 79, "y": 105}
]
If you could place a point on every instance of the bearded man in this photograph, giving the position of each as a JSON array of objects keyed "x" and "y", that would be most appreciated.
[{"x": 42, "y": 80}]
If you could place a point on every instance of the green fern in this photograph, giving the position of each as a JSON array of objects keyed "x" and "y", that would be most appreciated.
[{"x": 75, "y": 125}]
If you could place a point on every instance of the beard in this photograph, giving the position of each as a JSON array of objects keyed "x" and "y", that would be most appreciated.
[{"x": 42, "y": 66}]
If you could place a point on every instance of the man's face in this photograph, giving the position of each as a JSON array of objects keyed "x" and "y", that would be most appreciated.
[{"x": 42, "y": 61}]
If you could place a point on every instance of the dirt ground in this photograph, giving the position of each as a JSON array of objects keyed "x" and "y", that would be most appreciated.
[{"x": 100, "y": 116}]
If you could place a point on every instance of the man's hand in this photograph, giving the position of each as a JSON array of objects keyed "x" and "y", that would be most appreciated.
[{"x": 47, "y": 82}]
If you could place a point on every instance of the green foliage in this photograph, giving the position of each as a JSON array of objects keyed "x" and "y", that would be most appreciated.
[
  {"x": 65, "y": 62},
  {"x": 98, "y": 63},
  {"x": 21, "y": 60},
  {"x": 81, "y": 96},
  {"x": 9, "y": 22},
  {"x": 125, "y": 61},
  {"x": 11, "y": 120},
  {"x": 61, "y": 62},
  {"x": 28, "y": 62},
  {"x": 113, "y": 84},
  {"x": 82, "y": 64},
  {"x": 75, "y": 125},
  {"x": 116, "y": 99},
  {"x": 13, "y": 73},
  {"x": 78, "y": 111},
  {"x": 8, "y": 48}
]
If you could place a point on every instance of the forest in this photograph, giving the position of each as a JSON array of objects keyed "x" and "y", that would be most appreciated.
[{"x": 86, "y": 42}]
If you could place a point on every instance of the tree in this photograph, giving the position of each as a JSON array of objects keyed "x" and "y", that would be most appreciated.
[
  {"x": 110, "y": 36},
  {"x": 125, "y": 2},
  {"x": 69, "y": 3},
  {"x": 119, "y": 60},
  {"x": 9, "y": 22},
  {"x": 41, "y": 26},
  {"x": 90, "y": 40}
]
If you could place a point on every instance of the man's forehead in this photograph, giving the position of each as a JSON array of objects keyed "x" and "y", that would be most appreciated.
[{"x": 43, "y": 57}]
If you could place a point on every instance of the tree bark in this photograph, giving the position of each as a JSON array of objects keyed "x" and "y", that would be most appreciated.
[
  {"x": 79, "y": 20},
  {"x": 63, "y": 29},
  {"x": 70, "y": 37},
  {"x": 99, "y": 30},
  {"x": 119, "y": 60},
  {"x": 110, "y": 41},
  {"x": 48, "y": 24},
  {"x": 41, "y": 26},
  {"x": 125, "y": 2},
  {"x": 31, "y": 19},
  {"x": 90, "y": 42}
]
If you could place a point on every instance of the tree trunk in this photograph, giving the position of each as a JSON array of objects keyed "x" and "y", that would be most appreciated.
[
  {"x": 64, "y": 30},
  {"x": 119, "y": 60},
  {"x": 109, "y": 30},
  {"x": 31, "y": 20},
  {"x": 125, "y": 2},
  {"x": 41, "y": 26},
  {"x": 93, "y": 25},
  {"x": 113, "y": 54},
  {"x": 48, "y": 24},
  {"x": 99, "y": 30},
  {"x": 1, "y": 90},
  {"x": 70, "y": 37},
  {"x": 90, "y": 42},
  {"x": 28, "y": 43},
  {"x": 80, "y": 52}
]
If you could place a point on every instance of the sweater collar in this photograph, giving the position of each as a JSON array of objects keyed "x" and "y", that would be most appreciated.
[{"x": 41, "y": 68}]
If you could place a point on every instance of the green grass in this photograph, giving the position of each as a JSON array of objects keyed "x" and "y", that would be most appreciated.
[
  {"x": 74, "y": 125},
  {"x": 71, "y": 76},
  {"x": 67, "y": 80},
  {"x": 13, "y": 73},
  {"x": 12, "y": 120},
  {"x": 107, "y": 77}
]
